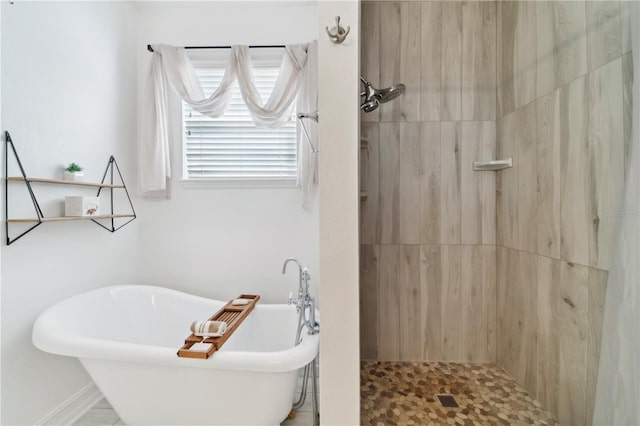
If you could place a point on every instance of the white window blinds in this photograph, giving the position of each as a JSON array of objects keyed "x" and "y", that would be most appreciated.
[{"x": 231, "y": 147}]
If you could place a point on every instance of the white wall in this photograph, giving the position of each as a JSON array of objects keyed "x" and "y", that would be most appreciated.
[
  {"x": 1, "y": 162},
  {"x": 223, "y": 242},
  {"x": 339, "y": 150},
  {"x": 68, "y": 78},
  {"x": 70, "y": 75}
]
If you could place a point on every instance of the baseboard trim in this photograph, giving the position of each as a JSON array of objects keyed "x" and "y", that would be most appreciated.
[{"x": 73, "y": 408}]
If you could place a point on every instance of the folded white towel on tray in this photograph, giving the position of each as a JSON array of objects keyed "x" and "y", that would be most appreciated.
[{"x": 208, "y": 328}]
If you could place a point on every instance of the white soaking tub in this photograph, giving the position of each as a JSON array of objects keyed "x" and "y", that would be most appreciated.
[{"x": 127, "y": 338}]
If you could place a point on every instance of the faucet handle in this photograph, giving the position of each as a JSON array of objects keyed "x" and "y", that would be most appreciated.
[
  {"x": 291, "y": 300},
  {"x": 305, "y": 274}
]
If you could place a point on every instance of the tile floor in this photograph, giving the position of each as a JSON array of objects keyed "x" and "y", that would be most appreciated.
[
  {"x": 102, "y": 414},
  {"x": 405, "y": 394}
]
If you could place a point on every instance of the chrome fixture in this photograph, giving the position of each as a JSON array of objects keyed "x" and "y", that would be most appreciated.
[
  {"x": 313, "y": 116},
  {"x": 303, "y": 303},
  {"x": 337, "y": 34},
  {"x": 374, "y": 97},
  {"x": 493, "y": 165},
  {"x": 310, "y": 115}
]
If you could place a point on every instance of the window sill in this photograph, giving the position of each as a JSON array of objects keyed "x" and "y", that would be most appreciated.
[{"x": 237, "y": 183}]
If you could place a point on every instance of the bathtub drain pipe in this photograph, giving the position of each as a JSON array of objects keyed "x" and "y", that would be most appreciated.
[
  {"x": 309, "y": 368},
  {"x": 316, "y": 408},
  {"x": 303, "y": 392}
]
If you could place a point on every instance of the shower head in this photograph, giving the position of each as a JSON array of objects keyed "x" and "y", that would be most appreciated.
[
  {"x": 373, "y": 97},
  {"x": 390, "y": 93},
  {"x": 369, "y": 106}
]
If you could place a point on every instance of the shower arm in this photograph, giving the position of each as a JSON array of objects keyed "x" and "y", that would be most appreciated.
[
  {"x": 366, "y": 84},
  {"x": 313, "y": 116}
]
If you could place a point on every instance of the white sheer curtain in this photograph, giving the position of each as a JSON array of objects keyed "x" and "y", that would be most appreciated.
[
  {"x": 170, "y": 65},
  {"x": 308, "y": 103},
  {"x": 277, "y": 109},
  {"x": 618, "y": 388}
]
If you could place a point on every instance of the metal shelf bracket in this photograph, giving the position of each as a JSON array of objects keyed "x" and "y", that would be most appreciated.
[{"x": 109, "y": 173}]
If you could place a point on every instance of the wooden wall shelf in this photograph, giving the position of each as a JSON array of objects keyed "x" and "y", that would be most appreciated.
[
  {"x": 109, "y": 173},
  {"x": 63, "y": 182},
  {"x": 68, "y": 218}
]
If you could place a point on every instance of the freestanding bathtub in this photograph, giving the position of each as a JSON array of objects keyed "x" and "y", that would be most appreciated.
[{"x": 127, "y": 338}]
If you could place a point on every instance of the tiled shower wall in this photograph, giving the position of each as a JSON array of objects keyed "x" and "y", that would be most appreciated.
[
  {"x": 428, "y": 254},
  {"x": 564, "y": 115}
]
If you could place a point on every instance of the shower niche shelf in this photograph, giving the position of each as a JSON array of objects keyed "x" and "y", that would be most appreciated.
[{"x": 112, "y": 170}]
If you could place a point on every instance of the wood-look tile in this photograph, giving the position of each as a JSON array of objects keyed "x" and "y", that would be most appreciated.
[
  {"x": 369, "y": 293},
  {"x": 489, "y": 282},
  {"x": 410, "y": 174},
  {"x": 369, "y": 163},
  {"x": 400, "y": 59},
  {"x": 390, "y": 58},
  {"x": 604, "y": 37},
  {"x": 451, "y": 87},
  {"x": 517, "y": 316},
  {"x": 450, "y": 183},
  {"x": 471, "y": 183},
  {"x": 627, "y": 107},
  {"x": 478, "y": 303},
  {"x": 430, "y": 183},
  {"x": 597, "y": 295},
  {"x": 479, "y": 60},
  {"x": 546, "y": 46},
  {"x": 548, "y": 175},
  {"x": 388, "y": 304},
  {"x": 473, "y": 332},
  {"x": 575, "y": 183},
  {"x": 525, "y": 54},
  {"x": 431, "y": 61},
  {"x": 477, "y": 188},
  {"x": 488, "y": 183},
  {"x": 527, "y": 177},
  {"x": 451, "y": 267},
  {"x": 507, "y": 183},
  {"x": 516, "y": 55},
  {"x": 572, "y": 307},
  {"x": 410, "y": 65},
  {"x": 548, "y": 279},
  {"x": 527, "y": 322},
  {"x": 625, "y": 20},
  {"x": 399, "y": 303},
  {"x": 607, "y": 158},
  {"x": 370, "y": 50},
  {"x": 561, "y": 44},
  {"x": 431, "y": 302},
  {"x": 506, "y": 31},
  {"x": 408, "y": 260},
  {"x": 506, "y": 270},
  {"x": 389, "y": 183}
]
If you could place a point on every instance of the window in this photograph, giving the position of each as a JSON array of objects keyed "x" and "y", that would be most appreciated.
[{"x": 231, "y": 147}]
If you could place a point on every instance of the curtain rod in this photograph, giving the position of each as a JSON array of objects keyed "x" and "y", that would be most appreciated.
[{"x": 268, "y": 46}]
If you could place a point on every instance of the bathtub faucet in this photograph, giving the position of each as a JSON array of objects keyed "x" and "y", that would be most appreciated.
[{"x": 305, "y": 302}]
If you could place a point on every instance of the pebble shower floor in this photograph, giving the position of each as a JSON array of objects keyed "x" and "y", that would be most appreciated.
[{"x": 405, "y": 393}]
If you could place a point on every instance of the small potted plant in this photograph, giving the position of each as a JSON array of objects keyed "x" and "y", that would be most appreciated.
[{"x": 73, "y": 172}]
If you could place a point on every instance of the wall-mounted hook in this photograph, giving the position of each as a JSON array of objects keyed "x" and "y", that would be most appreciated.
[{"x": 337, "y": 34}]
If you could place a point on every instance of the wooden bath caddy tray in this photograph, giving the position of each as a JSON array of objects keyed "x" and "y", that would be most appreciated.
[{"x": 232, "y": 315}]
